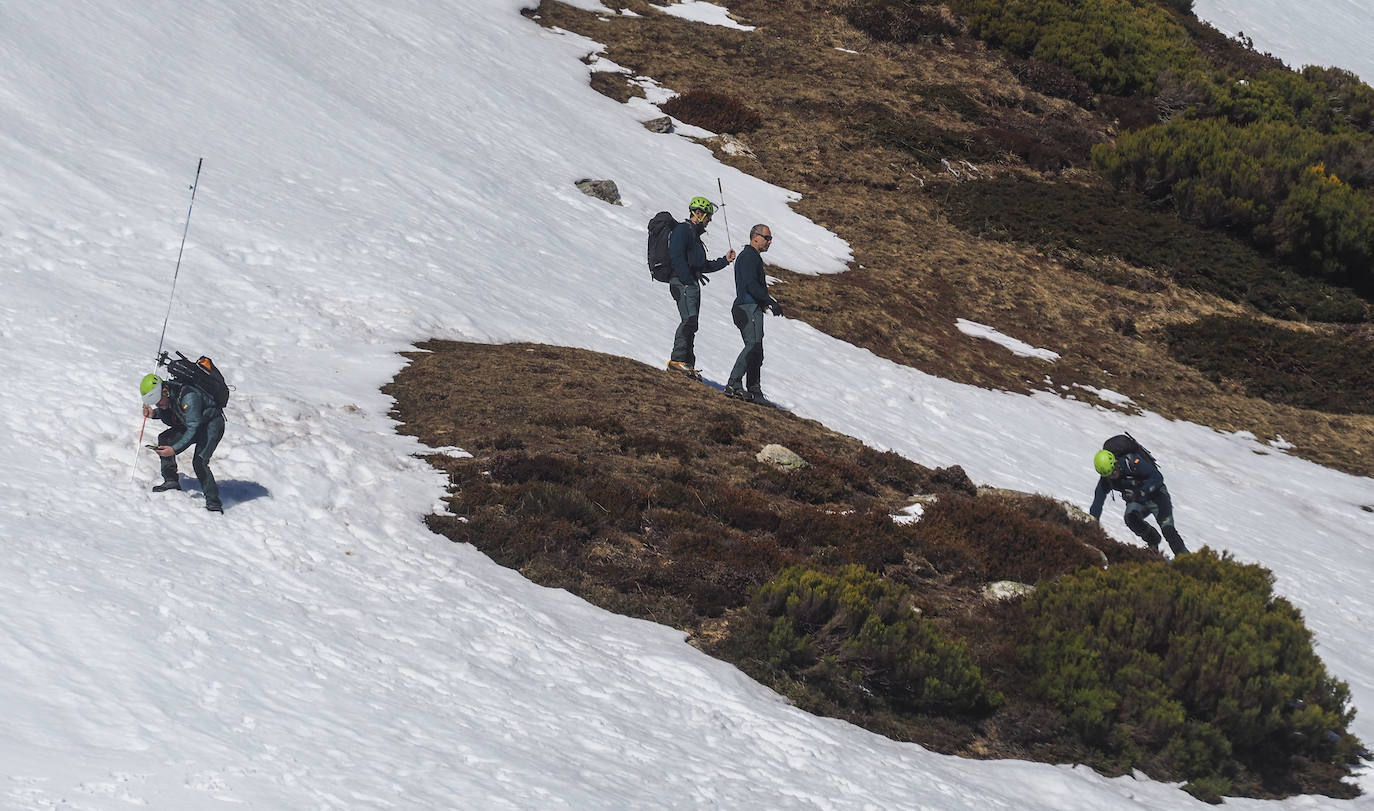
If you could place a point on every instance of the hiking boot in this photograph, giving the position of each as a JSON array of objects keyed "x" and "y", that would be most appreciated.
[
  {"x": 731, "y": 391},
  {"x": 167, "y": 485},
  {"x": 755, "y": 396},
  {"x": 679, "y": 366},
  {"x": 214, "y": 508}
]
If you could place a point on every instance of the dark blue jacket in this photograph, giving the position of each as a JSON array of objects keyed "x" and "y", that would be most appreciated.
[
  {"x": 1137, "y": 477},
  {"x": 688, "y": 255},
  {"x": 192, "y": 409},
  {"x": 751, "y": 285}
]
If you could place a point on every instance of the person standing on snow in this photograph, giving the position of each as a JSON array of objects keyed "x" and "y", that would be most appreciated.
[
  {"x": 751, "y": 301},
  {"x": 690, "y": 266},
  {"x": 194, "y": 419},
  {"x": 1123, "y": 465}
]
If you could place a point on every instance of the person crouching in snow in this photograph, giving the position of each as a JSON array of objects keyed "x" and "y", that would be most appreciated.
[
  {"x": 194, "y": 419},
  {"x": 1132, "y": 472}
]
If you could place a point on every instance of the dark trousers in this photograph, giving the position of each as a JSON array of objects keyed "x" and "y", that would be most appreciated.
[
  {"x": 1162, "y": 508},
  {"x": 748, "y": 317},
  {"x": 688, "y": 298},
  {"x": 206, "y": 439}
]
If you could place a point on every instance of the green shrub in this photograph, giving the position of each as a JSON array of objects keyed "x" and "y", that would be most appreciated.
[
  {"x": 1327, "y": 373},
  {"x": 1326, "y": 100},
  {"x": 1116, "y": 46},
  {"x": 855, "y": 639},
  {"x": 714, "y": 111},
  {"x": 1327, "y": 228},
  {"x": 1187, "y": 670},
  {"x": 1242, "y": 178}
]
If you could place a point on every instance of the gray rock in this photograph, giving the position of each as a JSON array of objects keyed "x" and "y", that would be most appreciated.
[
  {"x": 661, "y": 125},
  {"x": 1006, "y": 589},
  {"x": 731, "y": 145},
  {"x": 780, "y": 456},
  {"x": 601, "y": 190}
]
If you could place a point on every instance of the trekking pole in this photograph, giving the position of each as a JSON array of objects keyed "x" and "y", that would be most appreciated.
[
  {"x": 180, "y": 250},
  {"x": 725, "y": 215},
  {"x": 177, "y": 272}
]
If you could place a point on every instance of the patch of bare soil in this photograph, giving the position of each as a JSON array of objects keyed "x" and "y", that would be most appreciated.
[{"x": 861, "y": 128}]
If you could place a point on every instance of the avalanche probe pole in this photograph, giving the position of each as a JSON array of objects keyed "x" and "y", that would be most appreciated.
[
  {"x": 194, "y": 184},
  {"x": 724, "y": 214},
  {"x": 177, "y": 272}
]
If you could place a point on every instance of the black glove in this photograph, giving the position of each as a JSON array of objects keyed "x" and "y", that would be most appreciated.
[
  {"x": 776, "y": 308},
  {"x": 1129, "y": 495},
  {"x": 701, "y": 278}
]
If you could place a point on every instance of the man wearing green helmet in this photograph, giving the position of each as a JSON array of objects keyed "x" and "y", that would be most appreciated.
[
  {"x": 194, "y": 419},
  {"x": 690, "y": 266},
  {"x": 1125, "y": 466}
]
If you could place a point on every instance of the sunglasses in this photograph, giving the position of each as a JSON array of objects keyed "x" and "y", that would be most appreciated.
[{"x": 766, "y": 237}]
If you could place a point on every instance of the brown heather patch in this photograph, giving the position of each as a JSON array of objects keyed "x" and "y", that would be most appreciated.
[{"x": 914, "y": 272}]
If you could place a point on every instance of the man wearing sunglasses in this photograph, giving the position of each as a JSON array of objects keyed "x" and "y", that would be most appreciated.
[
  {"x": 751, "y": 300},
  {"x": 690, "y": 266}
]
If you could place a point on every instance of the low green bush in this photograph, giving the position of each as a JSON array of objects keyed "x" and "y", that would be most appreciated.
[
  {"x": 1325, "y": 100},
  {"x": 1190, "y": 670},
  {"x": 853, "y": 639},
  {"x": 1261, "y": 182},
  {"x": 1116, "y": 46}
]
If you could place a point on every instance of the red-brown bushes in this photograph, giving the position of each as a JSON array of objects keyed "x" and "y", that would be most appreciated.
[
  {"x": 901, "y": 20},
  {"x": 1052, "y": 80},
  {"x": 986, "y": 538},
  {"x": 714, "y": 111}
]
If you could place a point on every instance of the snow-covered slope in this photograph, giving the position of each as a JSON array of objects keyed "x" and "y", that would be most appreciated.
[{"x": 378, "y": 173}]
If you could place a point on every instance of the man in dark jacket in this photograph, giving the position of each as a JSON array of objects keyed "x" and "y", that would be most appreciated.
[
  {"x": 751, "y": 300},
  {"x": 690, "y": 266},
  {"x": 1135, "y": 475},
  {"x": 194, "y": 419}
]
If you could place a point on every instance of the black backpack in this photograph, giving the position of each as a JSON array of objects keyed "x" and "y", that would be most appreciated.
[
  {"x": 1124, "y": 444},
  {"x": 660, "y": 228},
  {"x": 203, "y": 374}
]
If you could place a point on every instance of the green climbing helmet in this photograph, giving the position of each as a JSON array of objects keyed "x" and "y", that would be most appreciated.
[
  {"x": 1104, "y": 462},
  {"x": 151, "y": 389},
  {"x": 701, "y": 204}
]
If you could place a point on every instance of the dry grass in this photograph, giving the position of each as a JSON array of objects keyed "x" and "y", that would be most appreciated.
[{"x": 915, "y": 273}]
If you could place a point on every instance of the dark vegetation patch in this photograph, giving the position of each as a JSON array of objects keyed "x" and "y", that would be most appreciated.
[
  {"x": 1052, "y": 80},
  {"x": 1327, "y": 372},
  {"x": 586, "y": 476},
  {"x": 1046, "y": 145},
  {"x": 889, "y": 21},
  {"x": 717, "y": 112},
  {"x": 1103, "y": 222}
]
